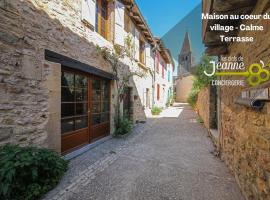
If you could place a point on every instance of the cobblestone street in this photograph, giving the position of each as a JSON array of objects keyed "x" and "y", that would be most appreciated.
[{"x": 169, "y": 157}]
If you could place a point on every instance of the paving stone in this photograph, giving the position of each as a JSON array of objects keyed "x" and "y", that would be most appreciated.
[{"x": 170, "y": 158}]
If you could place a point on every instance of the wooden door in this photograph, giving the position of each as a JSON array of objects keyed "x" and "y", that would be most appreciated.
[
  {"x": 100, "y": 108},
  {"x": 127, "y": 105},
  {"x": 74, "y": 110},
  {"x": 85, "y": 109}
]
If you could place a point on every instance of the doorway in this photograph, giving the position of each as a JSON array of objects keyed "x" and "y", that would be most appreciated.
[
  {"x": 85, "y": 109},
  {"x": 147, "y": 105},
  {"x": 127, "y": 103}
]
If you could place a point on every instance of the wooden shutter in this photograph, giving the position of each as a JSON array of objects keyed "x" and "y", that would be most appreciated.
[
  {"x": 158, "y": 91},
  {"x": 162, "y": 65},
  {"x": 157, "y": 62},
  {"x": 137, "y": 44},
  {"x": 148, "y": 54},
  {"x": 89, "y": 12},
  {"x": 119, "y": 23}
]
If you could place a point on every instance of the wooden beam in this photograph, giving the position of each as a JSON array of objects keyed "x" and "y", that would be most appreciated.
[
  {"x": 227, "y": 5},
  {"x": 216, "y": 50}
]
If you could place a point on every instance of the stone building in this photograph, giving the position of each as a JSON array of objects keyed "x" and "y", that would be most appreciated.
[
  {"x": 163, "y": 75},
  {"x": 243, "y": 132},
  {"x": 56, "y": 91},
  {"x": 184, "y": 81}
]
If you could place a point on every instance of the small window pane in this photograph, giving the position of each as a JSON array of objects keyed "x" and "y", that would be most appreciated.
[
  {"x": 67, "y": 125},
  {"x": 81, "y": 94},
  {"x": 67, "y": 109},
  {"x": 67, "y": 94},
  {"x": 96, "y": 84},
  {"x": 105, "y": 106},
  {"x": 105, "y": 117},
  {"x": 80, "y": 81},
  {"x": 96, "y": 94},
  {"x": 81, "y": 108},
  {"x": 67, "y": 79},
  {"x": 105, "y": 91},
  {"x": 81, "y": 122},
  {"x": 96, "y": 107},
  {"x": 95, "y": 119}
]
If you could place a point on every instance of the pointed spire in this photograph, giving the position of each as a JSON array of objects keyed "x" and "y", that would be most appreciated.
[{"x": 186, "y": 48}]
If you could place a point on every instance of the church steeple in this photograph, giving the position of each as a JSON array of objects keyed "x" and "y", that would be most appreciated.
[
  {"x": 186, "y": 48},
  {"x": 185, "y": 57}
]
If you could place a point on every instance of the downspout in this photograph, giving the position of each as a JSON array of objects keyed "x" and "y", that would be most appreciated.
[{"x": 154, "y": 76}]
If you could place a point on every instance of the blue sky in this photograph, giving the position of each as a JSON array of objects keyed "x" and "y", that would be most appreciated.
[
  {"x": 162, "y": 15},
  {"x": 170, "y": 21}
]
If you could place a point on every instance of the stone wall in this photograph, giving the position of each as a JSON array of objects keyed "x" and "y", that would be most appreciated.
[
  {"x": 245, "y": 133},
  {"x": 203, "y": 106},
  {"x": 183, "y": 88},
  {"x": 27, "y": 28}
]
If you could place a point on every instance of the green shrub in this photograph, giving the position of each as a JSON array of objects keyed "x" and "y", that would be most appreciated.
[
  {"x": 192, "y": 98},
  {"x": 200, "y": 120},
  {"x": 156, "y": 110},
  {"x": 201, "y": 80},
  {"x": 123, "y": 127},
  {"x": 28, "y": 172}
]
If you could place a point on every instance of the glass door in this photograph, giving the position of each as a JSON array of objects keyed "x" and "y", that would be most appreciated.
[
  {"x": 74, "y": 110},
  {"x": 100, "y": 108}
]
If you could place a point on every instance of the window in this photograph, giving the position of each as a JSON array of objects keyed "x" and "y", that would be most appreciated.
[
  {"x": 158, "y": 92},
  {"x": 142, "y": 51},
  {"x": 102, "y": 17},
  {"x": 74, "y": 102},
  {"x": 128, "y": 25},
  {"x": 157, "y": 62},
  {"x": 100, "y": 101},
  {"x": 169, "y": 76}
]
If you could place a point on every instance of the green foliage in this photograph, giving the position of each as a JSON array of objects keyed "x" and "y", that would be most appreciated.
[
  {"x": 113, "y": 57},
  {"x": 200, "y": 120},
  {"x": 123, "y": 126},
  {"x": 28, "y": 172},
  {"x": 170, "y": 101},
  {"x": 156, "y": 110},
  {"x": 192, "y": 97},
  {"x": 204, "y": 65},
  {"x": 201, "y": 80}
]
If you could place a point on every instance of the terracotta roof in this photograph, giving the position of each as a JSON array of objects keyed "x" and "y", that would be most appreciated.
[
  {"x": 165, "y": 53},
  {"x": 135, "y": 14}
]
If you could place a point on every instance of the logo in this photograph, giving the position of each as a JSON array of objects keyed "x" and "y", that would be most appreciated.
[{"x": 255, "y": 74}]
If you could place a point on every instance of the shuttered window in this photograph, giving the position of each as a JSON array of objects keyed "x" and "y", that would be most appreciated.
[
  {"x": 127, "y": 26},
  {"x": 157, "y": 62},
  {"x": 162, "y": 65},
  {"x": 158, "y": 92},
  {"x": 102, "y": 18},
  {"x": 142, "y": 51}
]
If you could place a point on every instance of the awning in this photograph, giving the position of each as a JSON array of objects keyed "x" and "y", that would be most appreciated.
[{"x": 74, "y": 64}]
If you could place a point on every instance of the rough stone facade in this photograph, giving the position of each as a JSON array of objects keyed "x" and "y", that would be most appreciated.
[
  {"x": 245, "y": 133},
  {"x": 30, "y": 85},
  {"x": 202, "y": 106},
  {"x": 183, "y": 88}
]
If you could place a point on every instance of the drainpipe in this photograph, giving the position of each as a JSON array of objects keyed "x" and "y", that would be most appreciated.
[{"x": 154, "y": 76}]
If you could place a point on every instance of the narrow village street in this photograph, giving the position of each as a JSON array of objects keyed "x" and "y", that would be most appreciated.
[{"x": 169, "y": 157}]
